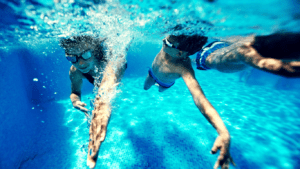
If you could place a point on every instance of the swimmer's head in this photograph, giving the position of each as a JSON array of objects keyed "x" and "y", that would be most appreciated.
[
  {"x": 84, "y": 43},
  {"x": 190, "y": 44}
]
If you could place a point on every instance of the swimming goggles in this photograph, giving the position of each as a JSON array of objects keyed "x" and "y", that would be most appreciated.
[
  {"x": 167, "y": 43},
  {"x": 74, "y": 58}
]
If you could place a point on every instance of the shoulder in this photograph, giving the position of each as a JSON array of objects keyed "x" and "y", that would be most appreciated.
[
  {"x": 183, "y": 66},
  {"x": 159, "y": 59}
]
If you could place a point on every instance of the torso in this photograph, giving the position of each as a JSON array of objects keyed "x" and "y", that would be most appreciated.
[
  {"x": 90, "y": 75},
  {"x": 167, "y": 69}
]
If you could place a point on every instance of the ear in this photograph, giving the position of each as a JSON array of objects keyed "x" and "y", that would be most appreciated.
[
  {"x": 180, "y": 53},
  {"x": 184, "y": 54}
]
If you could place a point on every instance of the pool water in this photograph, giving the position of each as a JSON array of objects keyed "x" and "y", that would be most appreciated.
[
  {"x": 39, "y": 128},
  {"x": 149, "y": 129}
]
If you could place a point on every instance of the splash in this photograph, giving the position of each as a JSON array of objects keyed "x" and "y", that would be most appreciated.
[{"x": 35, "y": 22}]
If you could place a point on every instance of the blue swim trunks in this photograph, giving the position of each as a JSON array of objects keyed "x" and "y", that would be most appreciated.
[
  {"x": 162, "y": 84},
  {"x": 207, "y": 49}
]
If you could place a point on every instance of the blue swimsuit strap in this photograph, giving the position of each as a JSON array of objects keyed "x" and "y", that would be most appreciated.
[
  {"x": 162, "y": 84},
  {"x": 207, "y": 50}
]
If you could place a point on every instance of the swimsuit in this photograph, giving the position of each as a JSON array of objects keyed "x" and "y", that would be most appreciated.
[
  {"x": 207, "y": 49},
  {"x": 162, "y": 84}
]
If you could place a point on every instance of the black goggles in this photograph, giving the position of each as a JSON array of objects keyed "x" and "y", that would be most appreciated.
[{"x": 74, "y": 58}]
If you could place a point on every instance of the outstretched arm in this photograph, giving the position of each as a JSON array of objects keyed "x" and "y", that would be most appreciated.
[
  {"x": 222, "y": 142},
  {"x": 76, "y": 83},
  {"x": 102, "y": 110}
]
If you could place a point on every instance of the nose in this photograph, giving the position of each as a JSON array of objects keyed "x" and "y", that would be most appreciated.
[{"x": 81, "y": 61}]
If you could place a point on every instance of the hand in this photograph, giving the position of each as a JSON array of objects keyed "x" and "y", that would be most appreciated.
[
  {"x": 81, "y": 106},
  {"x": 222, "y": 143}
]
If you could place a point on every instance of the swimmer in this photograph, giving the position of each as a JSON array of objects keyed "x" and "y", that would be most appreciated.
[
  {"x": 277, "y": 53},
  {"x": 87, "y": 54},
  {"x": 172, "y": 63}
]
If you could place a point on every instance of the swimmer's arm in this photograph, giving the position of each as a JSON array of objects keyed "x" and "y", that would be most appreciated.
[
  {"x": 102, "y": 110},
  {"x": 112, "y": 74},
  {"x": 222, "y": 142},
  {"x": 203, "y": 104},
  {"x": 76, "y": 84}
]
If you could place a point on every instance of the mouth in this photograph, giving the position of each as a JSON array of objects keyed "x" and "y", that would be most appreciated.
[{"x": 85, "y": 69}]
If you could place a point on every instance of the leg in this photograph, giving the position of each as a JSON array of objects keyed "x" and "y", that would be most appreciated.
[
  {"x": 161, "y": 89},
  {"x": 278, "y": 46},
  {"x": 148, "y": 82},
  {"x": 250, "y": 56},
  {"x": 97, "y": 132}
]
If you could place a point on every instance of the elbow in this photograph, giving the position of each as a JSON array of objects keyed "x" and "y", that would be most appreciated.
[
  {"x": 198, "y": 103},
  {"x": 203, "y": 104}
]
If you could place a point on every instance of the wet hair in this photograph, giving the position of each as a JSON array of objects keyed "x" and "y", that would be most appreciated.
[
  {"x": 97, "y": 43},
  {"x": 189, "y": 43}
]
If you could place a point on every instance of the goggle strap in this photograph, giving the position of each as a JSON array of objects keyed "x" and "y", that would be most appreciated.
[{"x": 168, "y": 43}]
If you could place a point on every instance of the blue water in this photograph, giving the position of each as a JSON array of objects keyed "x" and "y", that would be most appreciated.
[{"x": 39, "y": 128}]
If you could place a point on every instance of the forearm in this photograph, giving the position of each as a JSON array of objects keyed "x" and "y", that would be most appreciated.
[
  {"x": 106, "y": 90},
  {"x": 102, "y": 112},
  {"x": 108, "y": 87},
  {"x": 212, "y": 116},
  {"x": 102, "y": 105}
]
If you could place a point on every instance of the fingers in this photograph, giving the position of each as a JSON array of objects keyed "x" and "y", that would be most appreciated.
[
  {"x": 226, "y": 163},
  {"x": 81, "y": 106},
  {"x": 224, "y": 158},
  {"x": 83, "y": 109},
  {"x": 219, "y": 161},
  {"x": 225, "y": 166},
  {"x": 86, "y": 114},
  {"x": 217, "y": 164},
  {"x": 223, "y": 162},
  {"x": 91, "y": 161},
  {"x": 223, "y": 152}
]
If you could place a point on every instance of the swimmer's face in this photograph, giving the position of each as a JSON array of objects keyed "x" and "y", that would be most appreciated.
[
  {"x": 81, "y": 56},
  {"x": 170, "y": 46}
]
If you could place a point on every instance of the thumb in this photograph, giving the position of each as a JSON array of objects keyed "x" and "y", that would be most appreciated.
[{"x": 214, "y": 149}]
